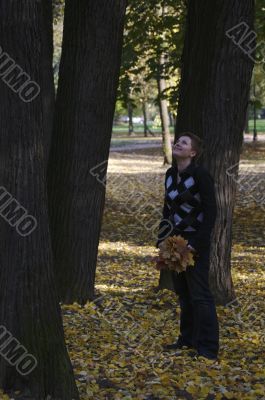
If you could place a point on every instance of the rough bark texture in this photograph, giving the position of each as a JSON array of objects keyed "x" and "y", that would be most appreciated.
[
  {"x": 29, "y": 307},
  {"x": 88, "y": 81},
  {"x": 214, "y": 93},
  {"x": 48, "y": 90}
]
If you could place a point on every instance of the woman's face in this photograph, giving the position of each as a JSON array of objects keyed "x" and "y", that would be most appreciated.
[{"x": 183, "y": 148}]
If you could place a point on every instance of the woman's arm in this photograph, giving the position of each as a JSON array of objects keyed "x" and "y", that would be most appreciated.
[{"x": 202, "y": 237}]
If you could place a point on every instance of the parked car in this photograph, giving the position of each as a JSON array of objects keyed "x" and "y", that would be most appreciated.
[{"x": 138, "y": 120}]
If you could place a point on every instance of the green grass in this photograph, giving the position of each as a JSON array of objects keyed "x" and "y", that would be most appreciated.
[
  {"x": 122, "y": 129},
  {"x": 260, "y": 125}
]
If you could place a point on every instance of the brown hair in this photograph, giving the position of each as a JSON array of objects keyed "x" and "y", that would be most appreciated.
[{"x": 196, "y": 143}]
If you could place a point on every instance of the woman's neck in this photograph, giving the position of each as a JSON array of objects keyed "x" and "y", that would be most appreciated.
[{"x": 183, "y": 163}]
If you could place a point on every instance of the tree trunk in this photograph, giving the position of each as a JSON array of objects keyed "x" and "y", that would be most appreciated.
[
  {"x": 130, "y": 115},
  {"x": 48, "y": 90},
  {"x": 163, "y": 109},
  {"x": 145, "y": 120},
  {"x": 88, "y": 81},
  {"x": 214, "y": 92},
  {"x": 171, "y": 120},
  {"x": 146, "y": 127},
  {"x": 30, "y": 315},
  {"x": 247, "y": 119}
]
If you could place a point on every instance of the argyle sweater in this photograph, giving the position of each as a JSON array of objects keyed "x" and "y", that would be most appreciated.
[{"x": 189, "y": 206}]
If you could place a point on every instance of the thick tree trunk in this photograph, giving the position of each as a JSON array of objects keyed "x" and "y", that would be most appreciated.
[
  {"x": 48, "y": 90},
  {"x": 163, "y": 109},
  {"x": 214, "y": 93},
  {"x": 88, "y": 81},
  {"x": 30, "y": 315}
]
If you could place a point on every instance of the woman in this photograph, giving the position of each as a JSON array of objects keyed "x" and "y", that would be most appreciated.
[{"x": 190, "y": 210}]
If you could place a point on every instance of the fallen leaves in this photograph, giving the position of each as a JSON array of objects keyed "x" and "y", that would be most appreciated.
[
  {"x": 174, "y": 254},
  {"x": 116, "y": 341}
]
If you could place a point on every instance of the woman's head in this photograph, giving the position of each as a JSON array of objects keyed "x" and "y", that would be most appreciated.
[{"x": 188, "y": 145}]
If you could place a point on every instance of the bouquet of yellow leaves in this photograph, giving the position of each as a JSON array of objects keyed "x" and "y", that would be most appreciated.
[{"x": 174, "y": 254}]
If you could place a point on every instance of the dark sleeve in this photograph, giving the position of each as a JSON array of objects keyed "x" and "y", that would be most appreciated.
[
  {"x": 202, "y": 238},
  {"x": 165, "y": 225}
]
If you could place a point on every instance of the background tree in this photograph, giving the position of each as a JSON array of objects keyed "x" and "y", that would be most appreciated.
[
  {"x": 257, "y": 90},
  {"x": 58, "y": 9},
  {"x": 146, "y": 95},
  {"x": 126, "y": 84},
  {"x": 163, "y": 110},
  {"x": 214, "y": 92},
  {"x": 259, "y": 20},
  {"x": 29, "y": 307},
  {"x": 88, "y": 80},
  {"x": 48, "y": 90},
  {"x": 155, "y": 37}
]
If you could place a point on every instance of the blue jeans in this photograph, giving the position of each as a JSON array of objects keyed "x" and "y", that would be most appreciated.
[{"x": 198, "y": 319}]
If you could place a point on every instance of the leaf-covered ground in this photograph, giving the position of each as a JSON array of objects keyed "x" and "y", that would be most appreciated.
[{"x": 115, "y": 342}]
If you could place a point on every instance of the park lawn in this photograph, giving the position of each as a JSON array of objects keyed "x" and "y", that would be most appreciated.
[
  {"x": 115, "y": 342},
  {"x": 260, "y": 123},
  {"x": 121, "y": 130}
]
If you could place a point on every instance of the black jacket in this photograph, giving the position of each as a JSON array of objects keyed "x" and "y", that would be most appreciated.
[{"x": 189, "y": 206}]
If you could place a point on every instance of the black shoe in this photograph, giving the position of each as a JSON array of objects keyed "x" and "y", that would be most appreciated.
[
  {"x": 176, "y": 346},
  {"x": 205, "y": 358},
  {"x": 188, "y": 352}
]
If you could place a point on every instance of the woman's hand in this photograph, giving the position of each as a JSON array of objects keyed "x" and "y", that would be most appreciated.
[{"x": 191, "y": 248}]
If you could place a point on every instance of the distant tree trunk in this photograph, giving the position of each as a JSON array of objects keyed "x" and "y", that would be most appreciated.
[
  {"x": 214, "y": 92},
  {"x": 88, "y": 81},
  {"x": 163, "y": 109},
  {"x": 130, "y": 115},
  {"x": 254, "y": 117},
  {"x": 146, "y": 127},
  {"x": 145, "y": 119},
  {"x": 30, "y": 315},
  {"x": 247, "y": 119},
  {"x": 171, "y": 119}
]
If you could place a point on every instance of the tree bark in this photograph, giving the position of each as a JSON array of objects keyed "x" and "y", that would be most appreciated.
[
  {"x": 214, "y": 92},
  {"x": 30, "y": 315},
  {"x": 88, "y": 81},
  {"x": 48, "y": 90}
]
